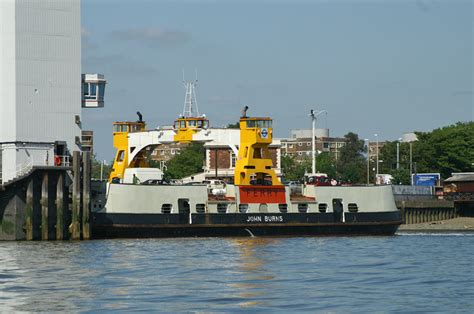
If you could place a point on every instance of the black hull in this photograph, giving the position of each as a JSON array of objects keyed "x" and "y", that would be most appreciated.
[{"x": 105, "y": 226}]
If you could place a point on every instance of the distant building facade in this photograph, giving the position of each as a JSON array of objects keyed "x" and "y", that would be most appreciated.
[{"x": 300, "y": 146}]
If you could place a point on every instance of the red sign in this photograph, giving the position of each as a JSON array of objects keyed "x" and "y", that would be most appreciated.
[{"x": 262, "y": 194}]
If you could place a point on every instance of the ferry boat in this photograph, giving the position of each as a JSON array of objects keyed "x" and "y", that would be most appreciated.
[{"x": 257, "y": 204}]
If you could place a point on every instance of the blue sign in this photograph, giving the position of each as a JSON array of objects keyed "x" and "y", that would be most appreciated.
[
  {"x": 426, "y": 179},
  {"x": 264, "y": 133}
]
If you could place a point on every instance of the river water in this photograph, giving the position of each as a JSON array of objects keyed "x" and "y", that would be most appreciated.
[{"x": 403, "y": 273}]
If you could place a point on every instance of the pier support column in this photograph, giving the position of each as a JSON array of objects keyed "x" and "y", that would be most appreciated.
[
  {"x": 61, "y": 208},
  {"x": 44, "y": 207},
  {"x": 86, "y": 209},
  {"x": 75, "y": 227},
  {"x": 29, "y": 211}
]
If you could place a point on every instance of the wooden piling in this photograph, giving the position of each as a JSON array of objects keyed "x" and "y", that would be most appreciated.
[
  {"x": 75, "y": 227},
  {"x": 29, "y": 211},
  {"x": 44, "y": 207},
  {"x": 61, "y": 205},
  {"x": 86, "y": 209}
]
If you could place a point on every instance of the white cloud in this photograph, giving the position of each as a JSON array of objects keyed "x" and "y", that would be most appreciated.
[{"x": 152, "y": 36}]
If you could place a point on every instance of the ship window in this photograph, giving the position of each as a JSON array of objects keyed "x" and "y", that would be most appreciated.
[
  {"x": 200, "y": 208},
  {"x": 303, "y": 207},
  {"x": 283, "y": 208},
  {"x": 205, "y": 124},
  {"x": 166, "y": 208},
  {"x": 221, "y": 208},
  {"x": 120, "y": 155},
  {"x": 243, "y": 208},
  {"x": 263, "y": 208},
  {"x": 251, "y": 124},
  {"x": 323, "y": 207},
  {"x": 353, "y": 208},
  {"x": 233, "y": 160},
  {"x": 199, "y": 124}
]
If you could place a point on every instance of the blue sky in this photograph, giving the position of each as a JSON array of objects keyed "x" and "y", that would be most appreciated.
[{"x": 384, "y": 67}]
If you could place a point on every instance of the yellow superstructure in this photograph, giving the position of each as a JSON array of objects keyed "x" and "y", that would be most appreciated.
[
  {"x": 121, "y": 131},
  {"x": 254, "y": 164},
  {"x": 187, "y": 127}
]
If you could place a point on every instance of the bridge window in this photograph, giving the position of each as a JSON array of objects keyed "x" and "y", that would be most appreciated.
[
  {"x": 182, "y": 124},
  {"x": 192, "y": 124}
]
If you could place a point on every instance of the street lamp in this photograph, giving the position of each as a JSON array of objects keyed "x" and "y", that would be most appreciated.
[
  {"x": 368, "y": 162},
  {"x": 376, "y": 155},
  {"x": 314, "y": 114},
  {"x": 398, "y": 153}
]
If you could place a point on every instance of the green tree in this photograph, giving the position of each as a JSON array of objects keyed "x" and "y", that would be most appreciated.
[
  {"x": 189, "y": 161},
  {"x": 351, "y": 163},
  {"x": 294, "y": 170},
  {"x": 325, "y": 163},
  {"x": 444, "y": 150},
  {"x": 235, "y": 125},
  {"x": 97, "y": 167}
]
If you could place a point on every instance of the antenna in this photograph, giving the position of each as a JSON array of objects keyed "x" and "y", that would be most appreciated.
[{"x": 190, "y": 103}]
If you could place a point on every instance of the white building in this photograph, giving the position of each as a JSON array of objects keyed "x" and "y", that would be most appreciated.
[{"x": 40, "y": 83}]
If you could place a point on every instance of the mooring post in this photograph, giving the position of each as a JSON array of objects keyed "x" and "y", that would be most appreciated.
[
  {"x": 29, "y": 211},
  {"x": 44, "y": 207},
  {"x": 86, "y": 209},
  {"x": 60, "y": 207},
  {"x": 75, "y": 228}
]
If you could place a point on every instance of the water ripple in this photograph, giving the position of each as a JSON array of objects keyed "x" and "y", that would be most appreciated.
[{"x": 362, "y": 274}]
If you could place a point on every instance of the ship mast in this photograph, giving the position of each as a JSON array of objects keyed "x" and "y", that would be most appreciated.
[{"x": 190, "y": 103}]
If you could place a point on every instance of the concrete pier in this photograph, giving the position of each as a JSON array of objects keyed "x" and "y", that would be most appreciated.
[
  {"x": 37, "y": 206},
  {"x": 415, "y": 212}
]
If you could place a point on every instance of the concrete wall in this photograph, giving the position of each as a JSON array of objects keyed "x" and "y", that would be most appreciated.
[
  {"x": 367, "y": 198},
  {"x": 129, "y": 198}
]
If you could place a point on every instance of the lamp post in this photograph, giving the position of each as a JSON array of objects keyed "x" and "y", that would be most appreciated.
[
  {"x": 314, "y": 114},
  {"x": 376, "y": 155},
  {"x": 368, "y": 162},
  {"x": 398, "y": 153},
  {"x": 411, "y": 163}
]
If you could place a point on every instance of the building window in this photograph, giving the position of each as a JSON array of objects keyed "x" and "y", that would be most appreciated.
[
  {"x": 326, "y": 145},
  {"x": 300, "y": 144},
  {"x": 162, "y": 152},
  {"x": 172, "y": 152},
  {"x": 308, "y": 144},
  {"x": 290, "y": 146},
  {"x": 300, "y": 153}
]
